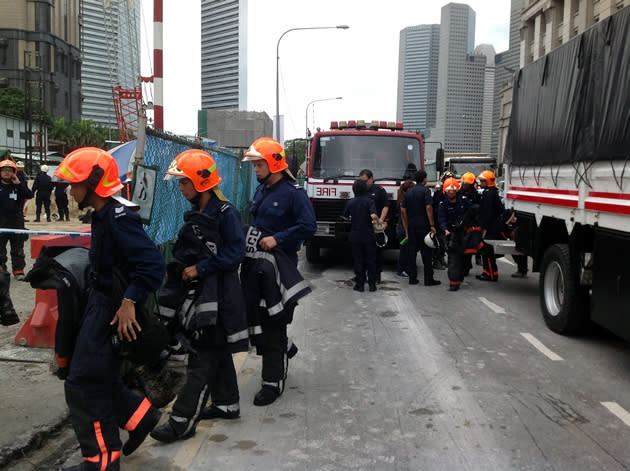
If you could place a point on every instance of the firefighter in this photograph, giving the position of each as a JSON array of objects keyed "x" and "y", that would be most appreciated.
[
  {"x": 98, "y": 400},
  {"x": 418, "y": 221},
  {"x": 491, "y": 211},
  {"x": 468, "y": 188},
  {"x": 61, "y": 199},
  {"x": 210, "y": 371},
  {"x": 362, "y": 211},
  {"x": 451, "y": 220},
  {"x": 283, "y": 213},
  {"x": 13, "y": 193},
  {"x": 403, "y": 252},
  {"x": 381, "y": 201},
  {"x": 439, "y": 255},
  {"x": 42, "y": 188}
]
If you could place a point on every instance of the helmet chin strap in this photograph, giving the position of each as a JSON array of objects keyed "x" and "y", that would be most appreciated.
[
  {"x": 91, "y": 183},
  {"x": 264, "y": 179}
]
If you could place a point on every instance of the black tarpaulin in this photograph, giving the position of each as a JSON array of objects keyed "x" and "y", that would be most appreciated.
[{"x": 574, "y": 103}]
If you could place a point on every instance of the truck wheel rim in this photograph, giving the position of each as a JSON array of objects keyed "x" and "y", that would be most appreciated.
[{"x": 554, "y": 289}]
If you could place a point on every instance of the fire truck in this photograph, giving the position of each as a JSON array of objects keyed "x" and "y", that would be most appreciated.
[
  {"x": 334, "y": 160},
  {"x": 567, "y": 177}
]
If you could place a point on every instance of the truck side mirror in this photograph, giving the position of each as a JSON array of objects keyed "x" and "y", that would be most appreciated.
[
  {"x": 439, "y": 160},
  {"x": 500, "y": 171}
]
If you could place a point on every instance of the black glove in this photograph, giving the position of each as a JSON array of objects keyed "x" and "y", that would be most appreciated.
[{"x": 62, "y": 373}]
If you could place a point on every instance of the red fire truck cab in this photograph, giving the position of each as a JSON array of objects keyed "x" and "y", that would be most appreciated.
[{"x": 334, "y": 160}]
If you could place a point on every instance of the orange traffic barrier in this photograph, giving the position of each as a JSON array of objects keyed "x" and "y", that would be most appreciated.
[{"x": 39, "y": 328}]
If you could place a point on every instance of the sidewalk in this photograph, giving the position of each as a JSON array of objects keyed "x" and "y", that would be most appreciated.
[{"x": 32, "y": 403}]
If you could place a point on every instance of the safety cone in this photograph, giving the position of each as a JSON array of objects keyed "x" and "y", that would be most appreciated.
[{"x": 39, "y": 328}]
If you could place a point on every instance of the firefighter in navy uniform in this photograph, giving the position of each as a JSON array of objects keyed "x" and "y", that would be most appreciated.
[
  {"x": 491, "y": 224},
  {"x": 451, "y": 214},
  {"x": 99, "y": 402},
  {"x": 419, "y": 222},
  {"x": 42, "y": 188},
  {"x": 283, "y": 213},
  {"x": 468, "y": 189},
  {"x": 61, "y": 199},
  {"x": 439, "y": 254},
  {"x": 210, "y": 370},
  {"x": 13, "y": 191},
  {"x": 381, "y": 201}
]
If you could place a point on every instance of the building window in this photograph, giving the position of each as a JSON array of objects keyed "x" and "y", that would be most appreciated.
[
  {"x": 9, "y": 132},
  {"x": 22, "y": 136}
]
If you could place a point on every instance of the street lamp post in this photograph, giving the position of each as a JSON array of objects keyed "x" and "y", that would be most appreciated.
[
  {"x": 278, "y": 68},
  {"x": 310, "y": 103}
]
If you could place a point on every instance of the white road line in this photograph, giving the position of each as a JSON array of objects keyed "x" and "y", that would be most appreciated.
[
  {"x": 541, "y": 348},
  {"x": 506, "y": 260},
  {"x": 619, "y": 411},
  {"x": 491, "y": 305}
]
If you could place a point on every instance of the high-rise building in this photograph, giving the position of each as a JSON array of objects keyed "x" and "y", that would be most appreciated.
[
  {"x": 418, "y": 77},
  {"x": 506, "y": 63},
  {"x": 224, "y": 54},
  {"x": 546, "y": 25},
  {"x": 110, "y": 42},
  {"x": 464, "y": 77},
  {"x": 40, "y": 53}
]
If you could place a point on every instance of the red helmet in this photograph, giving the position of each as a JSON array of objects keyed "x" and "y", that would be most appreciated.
[
  {"x": 270, "y": 150},
  {"x": 95, "y": 167},
  {"x": 450, "y": 184},
  {"x": 489, "y": 177},
  {"x": 9, "y": 163},
  {"x": 198, "y": 166}
]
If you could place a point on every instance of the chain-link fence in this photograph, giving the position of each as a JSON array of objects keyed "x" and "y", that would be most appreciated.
[{"x": 169, "y": 204}]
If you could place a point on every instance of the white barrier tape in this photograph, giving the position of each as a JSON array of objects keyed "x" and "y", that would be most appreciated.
[{"x": 26, "y": 231}]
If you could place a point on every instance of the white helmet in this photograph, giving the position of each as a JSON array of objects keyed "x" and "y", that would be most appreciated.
[
  {"x": 431, "y": 240},
  {"x": 44, "y": 168}
]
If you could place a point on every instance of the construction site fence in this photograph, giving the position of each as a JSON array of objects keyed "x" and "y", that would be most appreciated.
[{"x": 169, "y": 204}]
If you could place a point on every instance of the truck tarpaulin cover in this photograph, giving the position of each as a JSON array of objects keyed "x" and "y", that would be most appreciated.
[{"x": 574, "y": 103}]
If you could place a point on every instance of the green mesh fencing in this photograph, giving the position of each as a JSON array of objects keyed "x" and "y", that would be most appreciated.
[{"x": 169, "y": 204}]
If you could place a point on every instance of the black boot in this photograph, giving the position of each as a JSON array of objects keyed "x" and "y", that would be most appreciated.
[
  {"x": 266, "y": 395},
  {"x": 172, "y": 431},
  {"x": 8, "y": 316},
  {"x": 215, "y": 412}
]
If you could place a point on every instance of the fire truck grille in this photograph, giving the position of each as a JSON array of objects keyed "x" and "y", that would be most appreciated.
[{"x": 329, "y": 210}]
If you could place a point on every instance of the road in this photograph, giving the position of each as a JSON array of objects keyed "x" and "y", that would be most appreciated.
[{"x": 411, "y": 378}]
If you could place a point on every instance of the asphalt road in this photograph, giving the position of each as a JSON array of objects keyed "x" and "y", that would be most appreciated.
[{"x": 411, "y": 378}]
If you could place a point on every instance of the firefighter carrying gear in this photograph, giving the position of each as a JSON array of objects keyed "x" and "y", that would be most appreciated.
[
  {"x": 198, "y": 166},
  {"x": 272, "y": 152}
]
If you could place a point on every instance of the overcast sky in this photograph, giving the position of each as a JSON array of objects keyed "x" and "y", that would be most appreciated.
[{"x": 359, "y": 64}]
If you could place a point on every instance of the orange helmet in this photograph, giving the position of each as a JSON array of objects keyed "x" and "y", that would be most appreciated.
[
  {"x": 270, "y": 150},
  {"x": 450, "y": 184},
  {"x": 9, "y": 163},
  {"x": 489, "y": 177},
  {"x": 198, "y": 166},
  {"x": 95, "y": 167},
  {"x": 468, "y": 177}
]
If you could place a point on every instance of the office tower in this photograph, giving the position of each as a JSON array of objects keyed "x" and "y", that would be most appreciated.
[
  {"x": 39, "y": 53},
  {"x": 224, "y": 54},
  {"x": 110, "y": 42},
  {"x": 462, "y": 79},
  {"x": 417, "y": 77}
]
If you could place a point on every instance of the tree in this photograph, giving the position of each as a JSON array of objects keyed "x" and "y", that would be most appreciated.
[
  {"x": 12, "y": 102},
  {"x": 79, "y": 133},
  {"x": 295, "y": 149}
]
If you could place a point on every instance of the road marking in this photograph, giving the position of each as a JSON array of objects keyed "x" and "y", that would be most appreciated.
[
  {"x": 505, "y": 260},
  {"x": 619, "y": 411},
  {"x": 541, "y": 348},
  {"x": 491, "y": 305}
]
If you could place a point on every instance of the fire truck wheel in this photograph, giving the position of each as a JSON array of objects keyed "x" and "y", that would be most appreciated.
[
  {"x": 564, "y": 303},
  {"x": 312, "y": 252}
]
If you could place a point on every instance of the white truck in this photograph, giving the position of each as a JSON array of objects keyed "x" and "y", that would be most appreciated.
[{"x": 568, "y": 179}]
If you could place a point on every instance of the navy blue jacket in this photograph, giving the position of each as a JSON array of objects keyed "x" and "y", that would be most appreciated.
[
  {"x": 360, "y": 210},
  {"x": 60, "y": 191},
  {"x": 12, "y": 198},
  {"x": 491, "y": 211},
  {"x": 416, "y": 199},
  {"x": 43, "y": 186},
  {"x": 450, "y": 214},
  {"x": 232, "y": 238},
  {"x": 284, "y": 211},
  {"x": 118, "y": 231}
]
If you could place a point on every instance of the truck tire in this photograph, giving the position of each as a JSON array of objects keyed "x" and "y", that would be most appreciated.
[
  {"x": 312, "y": 252},
  {"x": 564, "y": 303}
]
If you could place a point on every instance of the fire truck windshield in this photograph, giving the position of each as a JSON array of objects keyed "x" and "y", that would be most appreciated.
[{"x": 387, "y": 155}]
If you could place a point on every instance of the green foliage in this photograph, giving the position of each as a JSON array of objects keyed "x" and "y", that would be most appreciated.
[
  {"x": 297, "y": 148},
  {"x": 12, "y": 102},
  {"x": 80, "y": 133}
]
